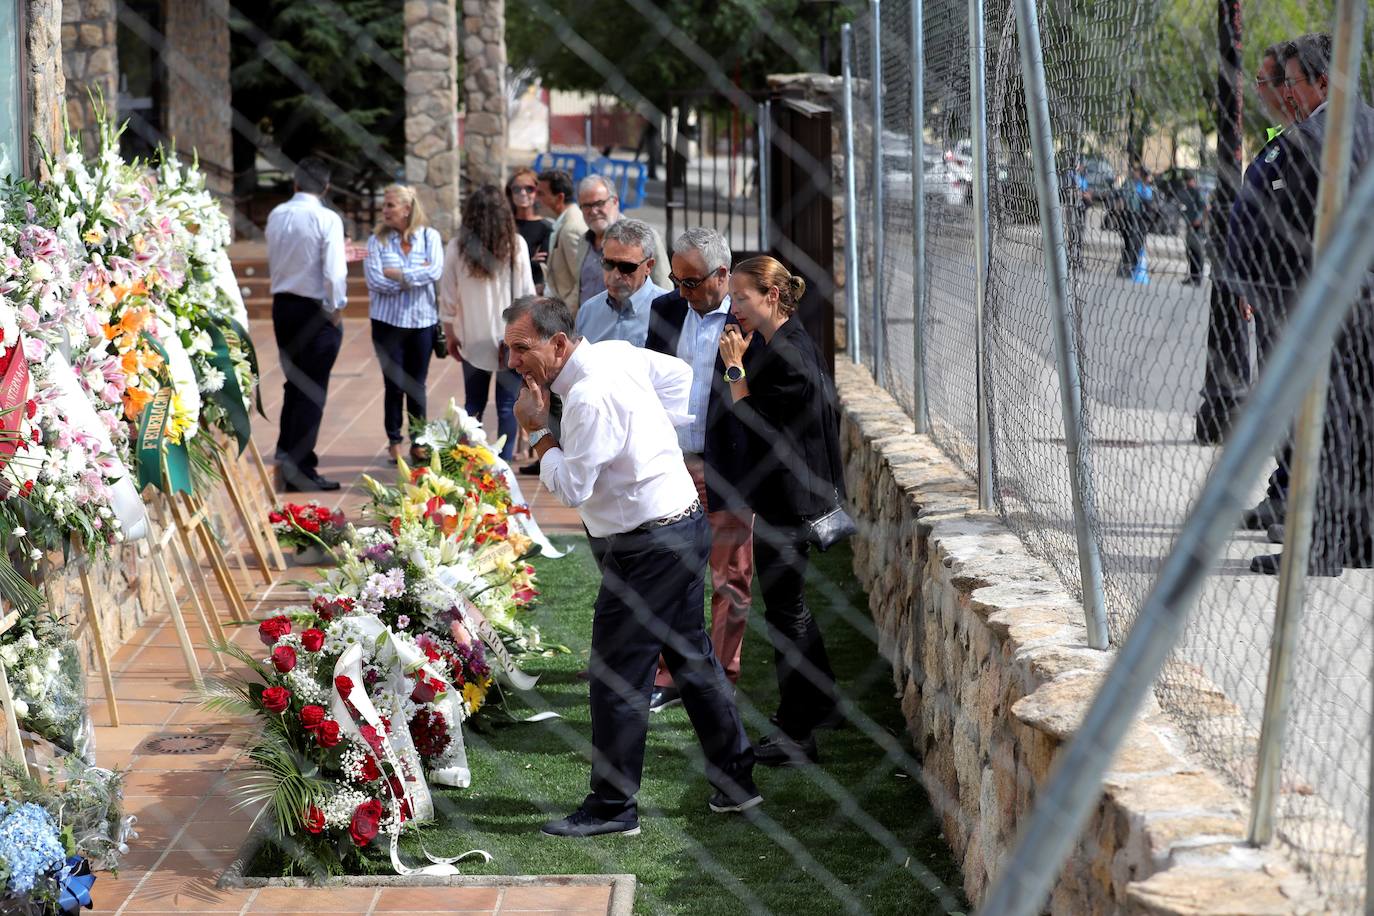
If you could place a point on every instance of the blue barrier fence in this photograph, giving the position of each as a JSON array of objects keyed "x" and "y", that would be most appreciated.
[{"x": 629, "y": 176}]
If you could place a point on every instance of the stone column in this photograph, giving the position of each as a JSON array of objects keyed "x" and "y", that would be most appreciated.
[
  {"x": 431, "y": 52},
  {"x": 90, "y": 64},
  {"x": 197, "y": 116},
  {"x": 44, "y": 83},
  {"x": 485, "y": 124}
]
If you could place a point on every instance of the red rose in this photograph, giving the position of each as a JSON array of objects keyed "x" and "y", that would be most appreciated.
[
  {"x": 344, "y": 685},
  {"x": 425, "y": 691},
  {"x": 284, "y": 658},
  {"x": 276, "y": 699},
  {"x": 366, "y": 822},
  {"x": 370, "y": 771},
  {"x": 370, "y": 735},
  {"x": 276, "y": 518},
  {"x": 312, "y": 640},
  {"x": 30, "y": 409},
  {"x": 328, "y": 733},
  {"x": 311, "y": 717},
  {"x": 314, "y": 819},
  {"x": 273, "y": 629}
]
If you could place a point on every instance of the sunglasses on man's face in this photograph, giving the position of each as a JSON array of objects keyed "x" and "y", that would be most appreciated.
[
  {"x": 625, "y": 267},
  {"x": 688, "y": 282}
]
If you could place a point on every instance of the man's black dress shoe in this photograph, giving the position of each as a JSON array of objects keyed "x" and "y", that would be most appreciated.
[
  {"x": 582, "y": 824},
  {"x": 664, "y": 697},
  {"x": 781, "y": 750},
  {"x": 742, "y": 797},
  {"x": 308, "y": 483}
]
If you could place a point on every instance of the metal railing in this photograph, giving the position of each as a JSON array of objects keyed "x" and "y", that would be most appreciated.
[{"x": 1062, "y": 379}]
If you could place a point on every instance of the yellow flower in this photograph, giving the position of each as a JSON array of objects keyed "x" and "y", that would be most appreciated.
[{"x": 473, "y": 697}]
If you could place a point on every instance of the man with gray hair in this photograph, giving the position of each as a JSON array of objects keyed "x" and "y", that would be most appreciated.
[
  {"x": 688, "y": 323},
  {"x": 621, "y": 310},
  {"x": 617, "y": 461},
  {"x": 600, "y": 204}
]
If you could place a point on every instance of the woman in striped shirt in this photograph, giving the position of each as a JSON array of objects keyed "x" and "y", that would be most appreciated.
[{"x": 405, "y": 258}]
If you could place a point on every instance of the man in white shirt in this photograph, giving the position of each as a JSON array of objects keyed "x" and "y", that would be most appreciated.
[
  {"x": 621, "y": 310},
  {"x": 309, "y": 270},
  {"x": 618, "y": 463}
]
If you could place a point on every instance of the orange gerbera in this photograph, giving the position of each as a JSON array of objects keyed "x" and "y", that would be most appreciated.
[{"x": 135, "y": 399}]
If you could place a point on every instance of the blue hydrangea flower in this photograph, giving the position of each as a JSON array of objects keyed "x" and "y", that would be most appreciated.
[{"x": 29, "y": 845}]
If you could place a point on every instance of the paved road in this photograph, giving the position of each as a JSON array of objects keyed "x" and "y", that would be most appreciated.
[{"x": 1142, "y": 356}]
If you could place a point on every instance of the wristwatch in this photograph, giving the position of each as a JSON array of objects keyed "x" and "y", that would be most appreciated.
[
  {"x": 537, "y": 435},
  {"x": 734, "y": 374}
]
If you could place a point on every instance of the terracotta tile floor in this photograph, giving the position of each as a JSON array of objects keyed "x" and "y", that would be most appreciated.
[{"x": 189, "y": 827}]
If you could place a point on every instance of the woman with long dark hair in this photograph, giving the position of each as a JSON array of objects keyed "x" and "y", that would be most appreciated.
[{"x": 487, "y": 267}]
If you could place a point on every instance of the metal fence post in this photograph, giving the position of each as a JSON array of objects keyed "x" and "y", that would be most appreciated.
[
  {"x": 918, "y": 215},
  {"x": 977, "y": 55},
  {"x": 1066, "y": 348},
  {"x": 1074, "y": 788},
  {"x": 876, "y": 192},
  {"x": 851, "y": 202},
  {"x": 765, "y": 175},
  {"x": 1307, "y": 437}
]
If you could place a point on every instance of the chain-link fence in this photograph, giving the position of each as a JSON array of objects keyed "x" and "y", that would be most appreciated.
[{"x": 1171, "y": 326}]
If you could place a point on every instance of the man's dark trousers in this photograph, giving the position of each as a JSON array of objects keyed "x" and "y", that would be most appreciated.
[
  {"x": 651, "y": 601},
  {"x": 308, "y": 343}
]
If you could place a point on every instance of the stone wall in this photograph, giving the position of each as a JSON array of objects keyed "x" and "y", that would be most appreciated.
[
  {"x": 485, "y": 122},
  {"x": 44, "y": 83},
  {"x": 90, "y": 64},
  {"x": 989, "y": 654},
  {"x": 196, "y": 107},
  {"x": 431, "y": 54}
]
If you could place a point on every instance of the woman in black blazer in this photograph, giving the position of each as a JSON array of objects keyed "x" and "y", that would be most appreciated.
[{"x": 785, "y": 400}]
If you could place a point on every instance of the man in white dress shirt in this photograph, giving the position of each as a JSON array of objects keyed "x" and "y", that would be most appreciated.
[
  {"x": 617, "y": 461},
  {"x": 309, "y": 270}
]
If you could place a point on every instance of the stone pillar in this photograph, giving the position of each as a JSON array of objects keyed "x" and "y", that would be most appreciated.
[
  {"x": 44, "y": 83},
  {"x": 90, "y": 65},
  {"x": 431, "y": 52},
  {"x": 485, "y": 124},
  {"x": 197, "y": 116}
]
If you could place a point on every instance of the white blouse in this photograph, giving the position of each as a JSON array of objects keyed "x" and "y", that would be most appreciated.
[{"x": 471, "y": 306}]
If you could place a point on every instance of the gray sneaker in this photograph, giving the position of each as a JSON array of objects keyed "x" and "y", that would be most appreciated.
[{"x": 582, "y": 824}]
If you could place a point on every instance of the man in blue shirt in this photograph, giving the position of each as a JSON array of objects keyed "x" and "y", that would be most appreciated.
[{"x": 622, "y": 311}]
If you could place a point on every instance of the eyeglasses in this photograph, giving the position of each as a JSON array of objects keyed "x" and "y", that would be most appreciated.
[
  {"x": 625, "y": 267},
  {"x": 688, "y": 282},
  {"x": 1262, "y": 81},
  {"x": 1291, "y": 82},
  {"x": 596, "y": 204},
  {"x": 523, "y": 189}
]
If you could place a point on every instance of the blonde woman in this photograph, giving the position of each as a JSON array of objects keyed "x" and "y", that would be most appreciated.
[{"x": 405, "y": 258}]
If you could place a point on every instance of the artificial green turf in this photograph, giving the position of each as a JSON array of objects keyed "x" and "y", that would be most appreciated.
[{"x": 853, "y": 835}]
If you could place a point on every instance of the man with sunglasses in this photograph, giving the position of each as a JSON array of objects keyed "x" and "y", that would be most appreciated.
[
  {"x": 596, "y": 195},
  {"x": 621, "y": 311}
]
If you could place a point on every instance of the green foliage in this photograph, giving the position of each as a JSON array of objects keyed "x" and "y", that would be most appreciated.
[
  {"x": 298, "y": 64},
  {"x": 647, "y": 50}
]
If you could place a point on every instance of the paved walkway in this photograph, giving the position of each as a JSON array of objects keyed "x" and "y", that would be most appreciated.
[{"x": 189, "y": 827}]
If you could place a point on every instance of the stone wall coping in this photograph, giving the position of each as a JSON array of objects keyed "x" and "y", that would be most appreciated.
[{"x": 1184, "y": 849}]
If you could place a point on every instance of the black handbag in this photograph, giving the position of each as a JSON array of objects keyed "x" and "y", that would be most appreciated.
[
  {"x": 440, "y": 342},
  {"x": 828, "y": 529}
]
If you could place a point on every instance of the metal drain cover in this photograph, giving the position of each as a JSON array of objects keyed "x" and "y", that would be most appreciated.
[{"x": 183, "y": 744}]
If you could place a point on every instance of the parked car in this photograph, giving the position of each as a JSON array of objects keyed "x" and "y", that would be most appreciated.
[{"x": 941, "y": 184}]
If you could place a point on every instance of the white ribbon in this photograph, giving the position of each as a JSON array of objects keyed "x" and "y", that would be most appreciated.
[
  {"x": 526, "y": 524},
  {"x": 397, "y": 748},
  {"x": 504, "y": 663}
]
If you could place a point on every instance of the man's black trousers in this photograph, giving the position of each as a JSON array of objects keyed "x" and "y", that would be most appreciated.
[
  {"x": 307, "y": 343},
  {"x": 652, "y": 599}
]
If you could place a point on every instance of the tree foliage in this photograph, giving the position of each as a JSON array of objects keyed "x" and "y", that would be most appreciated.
[
  {"x": 320, "y": 77},
  {"x": 649, "y": 52}
]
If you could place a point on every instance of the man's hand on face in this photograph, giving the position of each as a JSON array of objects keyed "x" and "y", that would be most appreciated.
[{"x": 532, "y": 407}]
